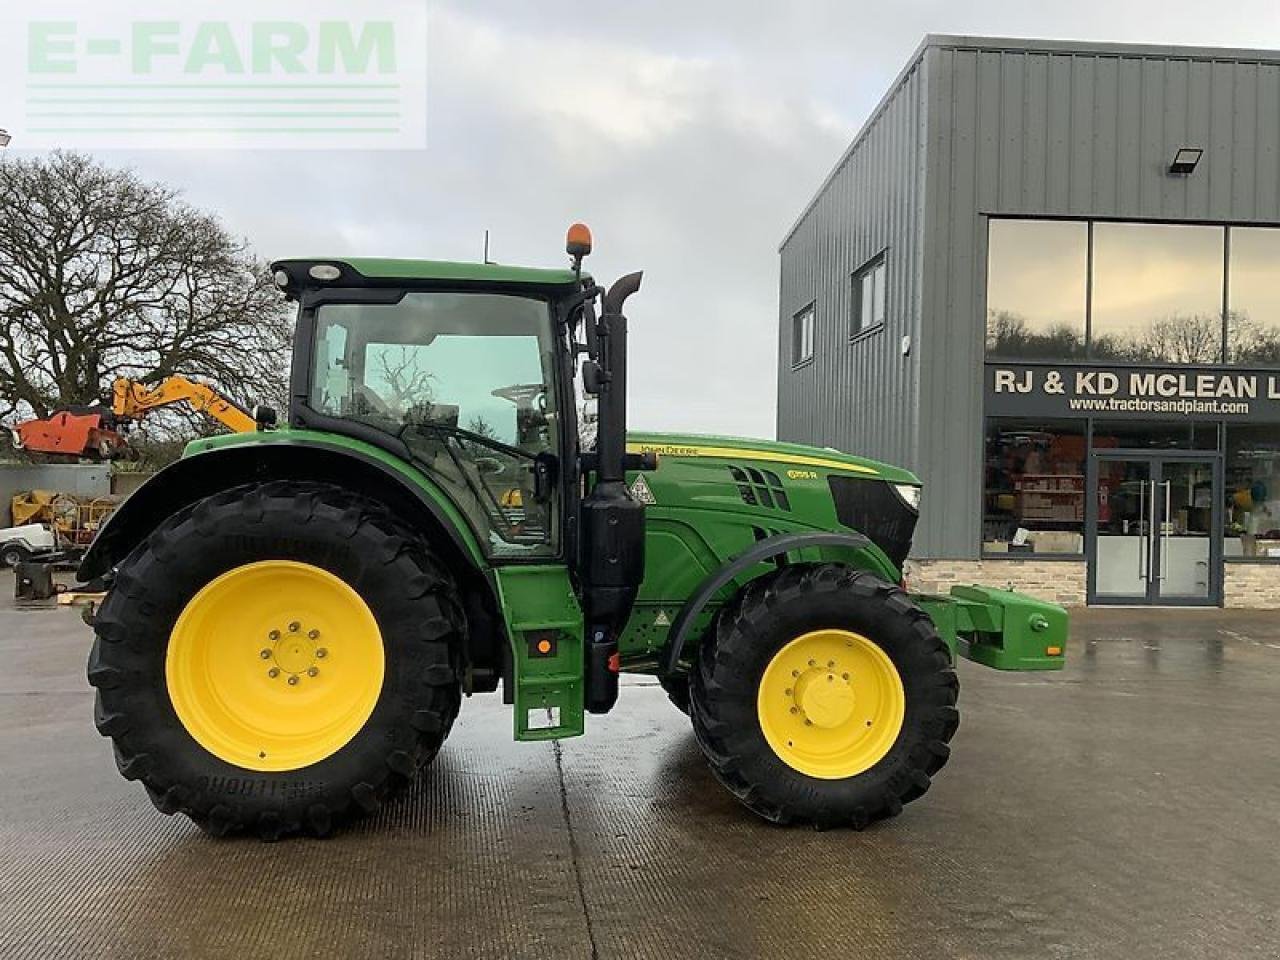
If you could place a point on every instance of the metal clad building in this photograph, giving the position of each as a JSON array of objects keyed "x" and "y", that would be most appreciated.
[
  {"x": 881, "y": 178},
  {"x": 976, "y": 135}
]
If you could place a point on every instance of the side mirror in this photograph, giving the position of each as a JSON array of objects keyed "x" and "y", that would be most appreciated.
[
  {"x": 265, "y": 417},
  {"x": 592, "y": 377}
]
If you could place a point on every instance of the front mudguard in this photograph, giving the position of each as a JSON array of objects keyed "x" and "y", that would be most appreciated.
[{"x": 1002, "y": 629}]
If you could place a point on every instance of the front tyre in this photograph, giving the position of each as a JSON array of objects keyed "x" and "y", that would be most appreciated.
[
  {"x": 824, "y": 696},
  {"x": 277, "y": 658},
  {"x": 13, "y": 554}
]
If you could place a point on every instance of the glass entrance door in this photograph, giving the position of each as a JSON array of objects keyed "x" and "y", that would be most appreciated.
[
  {"x": 1120, "y": 561},
  {"x": 1154, "y": 518},
  {"x": 1186, "y": 498}
]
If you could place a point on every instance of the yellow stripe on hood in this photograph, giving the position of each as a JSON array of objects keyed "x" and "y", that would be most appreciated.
[{"x": 738, "y": 453}]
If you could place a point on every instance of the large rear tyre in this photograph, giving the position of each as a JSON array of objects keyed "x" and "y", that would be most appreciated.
[
  {"x": 824, "y": 696},
  {"x": 277, "y": 658}
]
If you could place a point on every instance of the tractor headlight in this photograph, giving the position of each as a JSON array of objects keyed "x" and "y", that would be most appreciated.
[{"x": 909, "y": 494}]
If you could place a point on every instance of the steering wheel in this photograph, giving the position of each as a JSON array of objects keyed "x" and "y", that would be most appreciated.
[{"x": 524, "y": 395}]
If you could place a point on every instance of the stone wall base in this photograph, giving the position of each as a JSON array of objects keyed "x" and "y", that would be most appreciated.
[
  {"x": 1252, "y": 586},
  {"x": 1059, "y": 581},
  {"x": 1247, "y": 586}
]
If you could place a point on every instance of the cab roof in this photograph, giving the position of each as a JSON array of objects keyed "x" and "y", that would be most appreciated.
[{"x": 380, "y": 271}]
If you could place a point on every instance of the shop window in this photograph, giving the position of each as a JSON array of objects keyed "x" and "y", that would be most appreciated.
[
  {"x": 802, "y": 336},
  {"x": 1034, "y": 491},
  {"x": 1253, "y": 315},
  {"x": 869, "y": 295},
  {"x": 1157, "y": 293},
  {"x": 1037, "y": 276},
  {"x": 1251, "y": 518}
]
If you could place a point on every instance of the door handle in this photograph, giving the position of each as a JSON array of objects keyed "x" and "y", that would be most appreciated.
[
  {"x": 1165, "y": 525},
  {"x": 1143, "y": 549}
]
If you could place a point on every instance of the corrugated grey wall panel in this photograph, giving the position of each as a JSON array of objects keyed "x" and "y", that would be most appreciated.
[
  {"x": 859, "y": 393},
  {"x": 1267, "y": 154},
  {"x": 960, "y": 164},
  {"x": 974, "y": 128}
]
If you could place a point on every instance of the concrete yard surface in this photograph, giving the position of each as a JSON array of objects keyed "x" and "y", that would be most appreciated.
[{"x": 1128, "y": 807}]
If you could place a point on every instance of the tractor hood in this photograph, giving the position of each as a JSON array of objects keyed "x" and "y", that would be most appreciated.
[
  {"x": 787, "y": 456},
  {"x": 767, "y": 487}
]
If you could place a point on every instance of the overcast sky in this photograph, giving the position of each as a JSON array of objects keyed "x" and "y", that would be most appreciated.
[{"x": 689, "y": 135}]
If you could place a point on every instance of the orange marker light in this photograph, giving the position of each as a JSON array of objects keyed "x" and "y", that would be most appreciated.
[
  {"x": 578, "y": 241},
  {"x": 1053, "y": 651},
  {"x": 544, "y": 646}
]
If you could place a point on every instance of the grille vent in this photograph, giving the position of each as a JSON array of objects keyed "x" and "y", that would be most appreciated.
[{"x": 760, "y": 488}]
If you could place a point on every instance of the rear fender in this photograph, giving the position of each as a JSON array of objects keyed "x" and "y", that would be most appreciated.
[
  {"x": 203, "y": 474},
  {"x": 764, "y": 551}
]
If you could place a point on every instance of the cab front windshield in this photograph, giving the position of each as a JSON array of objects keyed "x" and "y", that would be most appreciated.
[{"x": 466, "y": 381}]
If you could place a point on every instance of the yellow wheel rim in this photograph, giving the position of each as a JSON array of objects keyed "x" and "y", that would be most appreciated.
[
  {"x": 274, "y": 665},
  {"x": 831, "y": 704}
]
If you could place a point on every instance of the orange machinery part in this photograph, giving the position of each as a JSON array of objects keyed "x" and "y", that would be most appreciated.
[{"x": 70, "y": 434}]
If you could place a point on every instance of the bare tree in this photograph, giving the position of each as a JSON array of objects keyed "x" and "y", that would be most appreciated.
[
  {"x": 1181, "y": 338},
  {"x": 1250, "y": 341},
  {"x": 1010, "y": 335},
  {"x": 407, "y": 384},
  {"x": 104, "y": 275},
  {"x": 481, "y": 427}
]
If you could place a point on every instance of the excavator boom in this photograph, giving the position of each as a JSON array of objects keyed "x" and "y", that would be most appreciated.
[{"x": 131, "y": 400}]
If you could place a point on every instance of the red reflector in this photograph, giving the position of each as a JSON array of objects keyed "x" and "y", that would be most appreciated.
[{"x": 615, "y": 664}]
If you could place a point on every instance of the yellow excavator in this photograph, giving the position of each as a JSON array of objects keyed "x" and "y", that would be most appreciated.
[{"x": 95, "y": 432}]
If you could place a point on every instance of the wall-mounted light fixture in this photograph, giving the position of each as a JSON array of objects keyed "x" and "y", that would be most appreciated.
[
  {"x": 4, "y": 139},
  {"x": 1185, "y": 160}
]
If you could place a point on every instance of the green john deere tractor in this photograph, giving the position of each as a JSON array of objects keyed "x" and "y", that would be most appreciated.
[{"x": 294, "y": 614}]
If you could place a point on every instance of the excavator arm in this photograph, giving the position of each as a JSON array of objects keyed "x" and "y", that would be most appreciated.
[{"x": 131, "y": 400}]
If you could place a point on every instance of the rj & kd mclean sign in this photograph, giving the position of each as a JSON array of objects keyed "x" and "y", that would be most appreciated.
[{"x": 1132, "y": 393}]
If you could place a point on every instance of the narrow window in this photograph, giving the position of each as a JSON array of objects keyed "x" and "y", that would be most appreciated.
[
  {"x": 802, "y": 336},
  {"x": 869, "y": 295},
  {"x": 1253, "y": 320}
]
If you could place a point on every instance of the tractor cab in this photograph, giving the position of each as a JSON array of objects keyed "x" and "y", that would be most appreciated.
[
  {"x": 470, "y": 383},
  {"x": 468, "y": 371}
]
